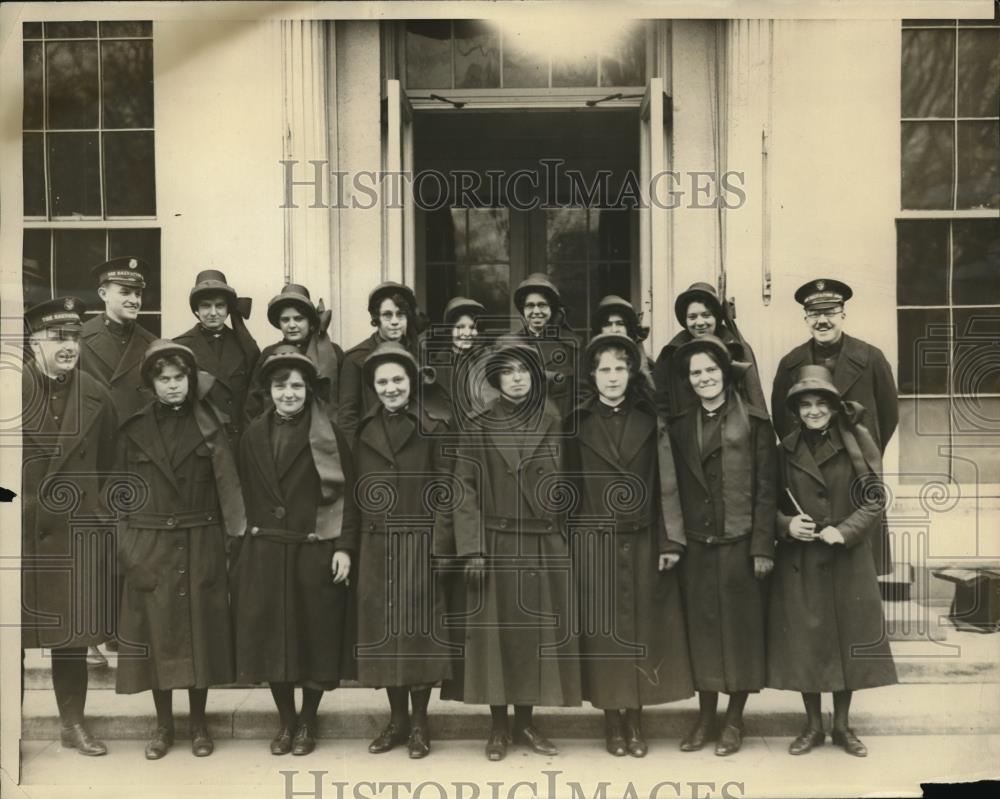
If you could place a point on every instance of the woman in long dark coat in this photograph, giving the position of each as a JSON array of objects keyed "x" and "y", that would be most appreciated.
[
  {"x": 628, "y": 534},
  {"x": 509, "y": 527},
  {"x": 292, "y": 601},
  {"x": 402, "y": 646},
  {"x": 700, "y": 313},
  {"x": 726, "y": 472},
  {"x": 174, "y": 620},
  {"x": 826, "y": 630}
]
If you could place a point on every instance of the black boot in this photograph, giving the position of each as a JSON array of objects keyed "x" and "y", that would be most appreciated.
[
  {"x": 635, "y": 742},
  {"x": 704, "y": 729},
  {"x": 163, "y": 738},
  {"x": 614, "y": 738},
  {"x": 397, "y": 731},
  {"x": 202, "y": 744},
  {"x": 69, "y": 683}
]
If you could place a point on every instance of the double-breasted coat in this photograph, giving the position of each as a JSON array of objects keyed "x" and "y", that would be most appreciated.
[
  {"x": 633, "y": 642},
  {"x": 724, "y": 603},
  {"x": 562, "y": 351},
  {"x": 292, "y": 622},
  {"x": 174, "y": 623},
  {"x": 674, "y": 394},
  {"x": 520, "y": 647},
  {"x": 826, "y": 629},
  {"x": 222, "y": 356},
  {"x": 68, "y": 459},
  {"x": 114, "y": 362},
  {"x": 401, "y": 602}
]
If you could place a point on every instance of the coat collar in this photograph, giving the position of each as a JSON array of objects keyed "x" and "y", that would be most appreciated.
[
  {"x": 800, "y": 457},
  {"x": 853, "y": 361},
  {"x": 205, "y": 355},
  {"x": 100, "y": 343},
  {"x": 258, "y": 447},
  {"x": 639, "y": 425},
  {"x": 83, "y": 408},
  {"x": 142, "y": 430},
  {"x": 686, "y": 425}
]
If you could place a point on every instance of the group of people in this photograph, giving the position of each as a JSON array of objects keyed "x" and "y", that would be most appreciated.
[{"x": 526, "y": 520}]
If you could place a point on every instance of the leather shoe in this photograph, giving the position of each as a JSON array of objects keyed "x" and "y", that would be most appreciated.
[
  {"x": 807, "y": 739},
  {"x": 392, "y": 735},
  {"x": 496, "y": 745},
  {"x": 304, "y": 741},
  {"x": 281, "y": 743},
  {"x": 730, "y": 740},
  {"x": 77, "y": 737},
  {"x": 202, "y": 744},
  {"x": 96, "y": 659},
  {"x": 614, "y": 738},
  {"x": 849, "y": 741},
  {"x": 634, "y": 740},
  {"x": 420, "y": 742},
  {"x": 160, "y": 743},
  {"x": 701, "y": 733},
  {"x": 535, "y": 740}
]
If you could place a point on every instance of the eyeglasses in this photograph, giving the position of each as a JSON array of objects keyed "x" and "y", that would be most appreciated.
[{"x": 813, "y": 315}]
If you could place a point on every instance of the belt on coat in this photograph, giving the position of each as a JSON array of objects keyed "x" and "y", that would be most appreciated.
[
  {"x": 173, "y": 521},
  {"x": 618, "y": 523},
  {"x": 714, "y": 540},
  {"x": 281, "y": 536},
  {"x": 522, "y": 525}
]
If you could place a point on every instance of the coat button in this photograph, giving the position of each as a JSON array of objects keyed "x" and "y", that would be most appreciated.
[
  {"x": 181, "y": 570},
  {"x": 548, "y": 526},
  {"x": 710, "y": 539},
  {"x": 503, "y": 522},
  {"x": 254, "y": 530},
  {"x": 279, "y": 512},
  {"x": 209, "y": 517},
  {"x": 182, "y": 592},
  {"x": 312, "y": 537},
  {"x": 171, "y": 521},
  {"x": 706, "y": 523}
]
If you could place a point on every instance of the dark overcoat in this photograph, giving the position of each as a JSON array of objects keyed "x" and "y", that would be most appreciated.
[
  {"x": 674, "y": 394},
  {"x": 724, "y": 603},
  {"x": 356, "y": 397},
  {"x": 174, "y": 623},
  {"x": 259, "y": 397},
  {"x": 119, "y": 374},
  {"x": 520, "y": 647},
  {"x": 826, "y": 629},
  {"x": 460, "y": 384},
  {"x": 401, "y": 601},
  {"x": 231, "y": 367},
  {"x": 67, "y": 582},
  {"x": 633, "y": 642},
  {"x": 292, "y": 623},
  {"x": 562, "y": 352},
  {"x": 862, "y": 375}
]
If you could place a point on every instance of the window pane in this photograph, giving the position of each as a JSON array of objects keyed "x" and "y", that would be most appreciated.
[
  {"x": 623, "y": 62},
  {"x": 76, "y": 253},
  {"x": 923, "y": 431},
  {"x": 523, "y": 68},
  {"x": 72, "y": 84},
  {"x": 127, "y": 78},
  {"x": 31, "y": 30},
  {"x": 129, "y": 174},
  {"x": 923, "y": 23},
  {"x": 571, "y": 278},
  {"x": 580, "y": 71},
  {"x": 70, "y": 30},
  {"x": 36, "y": 261},
  {"x": 979, "y": 73},
  {"x": 442, "y": 230},
  {"x": 490, "y": 284},
  {"x": 978, "y": 165},
  {"x": 923, "y": 351},
  {"x": 477, "y": 55},
  {"x": 610, "y": 278},
  {"x": 976, "y": 264},
  {"x": 566, "y": 234},
  {"x": 113, "y": 29},
  {"x": 74, "y": 174},
  {"x": 142, "y": 243},
  {"x": 428, "y": 55},
  {"x": 927, "y": 168},
  {"x": 977, "y": 356},
  {"x": 34, "y": 174},
  {"x": 928, "y": 69},
  {"x": 614, "y": 232},
  {"x": 489, "y": 235},
  {"x": 977, "y": 421},
  {"x": 33, "y": 97},
  {"x": 921, "y": 262},
  {"x": 442, "y": 284}
]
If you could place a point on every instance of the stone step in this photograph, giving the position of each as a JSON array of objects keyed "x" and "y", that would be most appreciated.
[
  {"x": 961, "y": 657},
  {"x": 963, "y": 709}
]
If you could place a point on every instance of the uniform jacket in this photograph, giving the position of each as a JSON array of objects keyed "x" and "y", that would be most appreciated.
[
  {"x": 66, "y": 469},
  {"x": 862, "y": 375},
  {"x": 120, "y": 376},
  {"x": 232, "y": 370}
]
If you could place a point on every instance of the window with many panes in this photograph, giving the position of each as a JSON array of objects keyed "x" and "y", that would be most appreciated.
[
  {"x": 88, "y": 156},
  {"x": 948, "y": 251}
]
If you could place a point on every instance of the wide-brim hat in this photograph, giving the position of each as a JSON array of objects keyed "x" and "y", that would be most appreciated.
[
  {"x": 537, "y": 282},
  {"x": 287, "y": 356},
  {"x": 823, "y": 292},
  {"x": 387, "y": 289},
  {"x": 812, "y": 380},
  {"x": 517, "y": 346},
  {"x": 394, "y": 352},
  {"x": 717, "y": 349},
  {"x": 126, "y": 270},
  {"x": 603, "y": 340},
  {"x": 164, "y": 348},
  {"x": 295, "y": 295},
  {"x": 704, "y": 293},
  {"x": 211, "y": 281},
  {"x": 61, "y": 312},
  {"x": 458, "y": 306}
]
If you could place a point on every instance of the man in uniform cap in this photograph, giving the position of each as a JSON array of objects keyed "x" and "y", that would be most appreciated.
[
  {"x": 860, "y": 372},
  {"x": 228, "y": 353},
  {"x": 112, "y": 344},
  {"x": 68, "y": 427}
]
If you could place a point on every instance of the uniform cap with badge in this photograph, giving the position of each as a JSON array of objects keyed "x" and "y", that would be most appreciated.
[
  {"x": 61, "y": 312},
  {"x": 823, "y": 293},
  {"x": 126, "y": 270}
]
